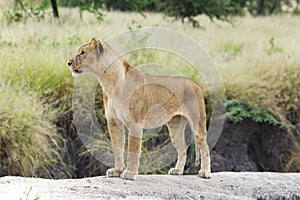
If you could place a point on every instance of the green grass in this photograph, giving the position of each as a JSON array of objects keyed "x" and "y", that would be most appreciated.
[{"x": 258, "y": 61}]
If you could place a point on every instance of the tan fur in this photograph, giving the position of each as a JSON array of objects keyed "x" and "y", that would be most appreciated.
[{"x": 137, "y": 101}]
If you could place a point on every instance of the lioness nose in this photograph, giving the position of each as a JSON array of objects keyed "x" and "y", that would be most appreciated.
[{"x": 69, "y": 62}]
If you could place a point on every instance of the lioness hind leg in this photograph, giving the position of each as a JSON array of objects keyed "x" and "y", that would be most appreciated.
[
  {"x": 176, "y": 128},
  {"x": 113, "y": 172},
  {"x": 205, "y": 161},
  {"x": 200, "y": 142}
]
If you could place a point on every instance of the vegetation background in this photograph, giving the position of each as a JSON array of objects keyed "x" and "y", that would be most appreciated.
[{"x": 254, "y": 43}]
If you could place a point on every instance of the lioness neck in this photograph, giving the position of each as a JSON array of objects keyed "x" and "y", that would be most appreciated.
[{"x": 112, "y": 74}]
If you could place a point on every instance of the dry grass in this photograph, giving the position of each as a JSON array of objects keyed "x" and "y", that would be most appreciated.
[
  {"x": 27, "y": 138},
  {"x": 259, "y": 63}
]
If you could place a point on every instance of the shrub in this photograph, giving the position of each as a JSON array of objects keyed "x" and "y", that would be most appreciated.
[
  {"x": 238, "y": 110},
  {"x": 23, "y": 10}
]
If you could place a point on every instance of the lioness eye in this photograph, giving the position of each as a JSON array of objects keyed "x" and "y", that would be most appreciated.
[{"x": 81, "y": 52}]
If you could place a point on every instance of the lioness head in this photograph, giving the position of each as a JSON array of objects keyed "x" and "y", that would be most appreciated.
[{"x": 86, "y": 58}]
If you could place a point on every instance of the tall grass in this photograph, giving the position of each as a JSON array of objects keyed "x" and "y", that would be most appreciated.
[
  {"x": 258, "y": 59},
  {"x": 259, "y": 63},
  {"x": 27, "y": 138}
]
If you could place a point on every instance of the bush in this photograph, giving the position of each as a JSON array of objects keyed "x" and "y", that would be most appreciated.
[{"x": 238, "y": 110}]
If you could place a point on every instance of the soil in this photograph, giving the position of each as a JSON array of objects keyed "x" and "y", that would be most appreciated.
[{"x": 223, "y": 185}]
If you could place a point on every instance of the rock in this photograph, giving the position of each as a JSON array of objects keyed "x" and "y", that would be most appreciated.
[
  {"x": 252, "y": 146},
  {"x": 222, "y": 185}
]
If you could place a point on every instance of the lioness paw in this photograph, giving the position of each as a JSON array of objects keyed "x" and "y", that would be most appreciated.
[
  {"x": 174, "y": 171},
  {"x": 204, "y": 174},
  {"x": 113, "y": 172},
  {"x": 128, "y": 175}
]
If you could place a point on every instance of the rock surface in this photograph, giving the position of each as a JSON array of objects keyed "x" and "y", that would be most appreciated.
[
  {"x": 222, "y": 185},
  {"x": 252, "y": 146}
]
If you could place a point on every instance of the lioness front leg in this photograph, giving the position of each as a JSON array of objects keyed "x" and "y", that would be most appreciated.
[
  {"x": 117, "y": 138},
  {"x": 133, "y": 155}
]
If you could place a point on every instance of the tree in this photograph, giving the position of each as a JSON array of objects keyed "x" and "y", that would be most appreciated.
[
  {"x": 267, "y": 7},
  {"x": 126, "y": 5},
  {"x": 54, "y": 8},
  {"x": 220, "y": 9},
  {"x": 297, "y": 8}
]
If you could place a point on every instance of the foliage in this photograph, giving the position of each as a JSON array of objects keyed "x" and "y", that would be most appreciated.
[
  {"x": 221, "y": 9},
  {"x": 264, "y": 7},
  {"x": 91, "y": 6},
  {"x": 78, "y": 3},
  {"x": 23, "y": 10},
  {"x": 127, "y": 5},
  {"x": 213, "y": 9},
  {"x": 238, "y": 110},
  {"x": 296, "y": 11},
  {"x": 187, "y": 9}
]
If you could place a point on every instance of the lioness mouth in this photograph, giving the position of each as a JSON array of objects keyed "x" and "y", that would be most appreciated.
[{"x": 78, "y": 71}]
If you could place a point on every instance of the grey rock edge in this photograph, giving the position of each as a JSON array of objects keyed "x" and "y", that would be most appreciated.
[{"x": 222, "y": 185}]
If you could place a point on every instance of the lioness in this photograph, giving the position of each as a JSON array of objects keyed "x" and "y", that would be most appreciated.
[{"x": 139, "y": 101}]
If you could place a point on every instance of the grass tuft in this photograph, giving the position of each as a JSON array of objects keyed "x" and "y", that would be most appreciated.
[{"x": 27, "y": 138}]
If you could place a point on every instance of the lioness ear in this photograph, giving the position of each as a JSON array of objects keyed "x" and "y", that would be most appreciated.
[
  {"x": 93, "y": 43},
  {"x": 96, "y": 43}
]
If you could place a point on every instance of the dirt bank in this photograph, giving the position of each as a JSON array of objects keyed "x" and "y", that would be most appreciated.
[{"x": 223, "y": 185}]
